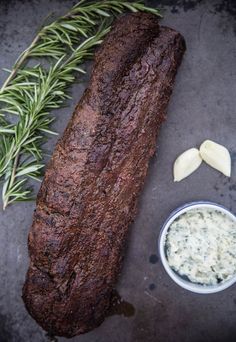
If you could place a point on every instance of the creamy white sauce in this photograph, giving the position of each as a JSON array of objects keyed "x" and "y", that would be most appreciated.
[{"x": 201, "y": 245}]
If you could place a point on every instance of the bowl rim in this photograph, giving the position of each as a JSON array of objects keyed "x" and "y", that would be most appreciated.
[{"x": 187, "y": 285}]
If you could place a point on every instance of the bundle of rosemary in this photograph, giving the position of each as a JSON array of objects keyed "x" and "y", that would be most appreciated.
[{"x": 31, "y": 92}]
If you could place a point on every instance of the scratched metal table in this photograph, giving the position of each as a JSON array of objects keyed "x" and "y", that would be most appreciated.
[{"x": 202, "y": 106}]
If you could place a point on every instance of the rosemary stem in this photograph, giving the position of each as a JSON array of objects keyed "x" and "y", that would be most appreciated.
[
  {"x": 19, "y": 63},
  {"x": 13, "y": 175}
]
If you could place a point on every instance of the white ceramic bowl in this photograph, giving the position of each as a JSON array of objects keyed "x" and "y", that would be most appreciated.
[{"x": 188, "y": 285}]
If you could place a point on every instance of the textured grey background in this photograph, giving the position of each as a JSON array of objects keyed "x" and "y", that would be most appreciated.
[{"x": 202, "y": 106}]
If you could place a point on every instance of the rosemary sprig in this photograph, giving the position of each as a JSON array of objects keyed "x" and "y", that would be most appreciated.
[{"x": 30, "y": 93}]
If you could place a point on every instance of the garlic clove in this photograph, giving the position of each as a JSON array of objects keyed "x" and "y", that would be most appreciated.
[
  {"x": 216, "y": 156},
  {"x": 186, "y": 164}
]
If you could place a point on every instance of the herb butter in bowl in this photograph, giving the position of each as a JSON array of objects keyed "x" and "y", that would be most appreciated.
[{"x": 197, "y": 247}]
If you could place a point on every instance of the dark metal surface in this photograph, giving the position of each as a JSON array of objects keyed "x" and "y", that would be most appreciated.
[{"x": 202, "y": 106}]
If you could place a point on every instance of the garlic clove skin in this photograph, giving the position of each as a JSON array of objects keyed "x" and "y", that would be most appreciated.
[
  {"x": 216, "y": 156},
  {"x": 186, "y": 163}
]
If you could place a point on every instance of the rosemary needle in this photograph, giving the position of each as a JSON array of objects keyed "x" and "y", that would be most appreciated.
[{"x": 30, "y": 93}]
